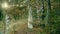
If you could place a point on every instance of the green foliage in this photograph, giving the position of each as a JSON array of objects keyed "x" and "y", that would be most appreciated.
[{"x": 1, "y": 15}]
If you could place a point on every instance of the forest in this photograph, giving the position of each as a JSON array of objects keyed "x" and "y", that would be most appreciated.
[{"x": 29, "y": 16}]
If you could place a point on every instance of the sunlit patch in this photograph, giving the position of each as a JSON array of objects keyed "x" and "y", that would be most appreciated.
[
  {"x": 5, "y": 5},
  {"x": 21, "y": 5}
]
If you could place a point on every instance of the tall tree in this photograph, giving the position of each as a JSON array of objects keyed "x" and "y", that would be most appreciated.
[{"x": 1, "y": 15}]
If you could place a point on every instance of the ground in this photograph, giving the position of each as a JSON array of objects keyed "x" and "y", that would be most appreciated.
[{"x": 21, "y": 27}]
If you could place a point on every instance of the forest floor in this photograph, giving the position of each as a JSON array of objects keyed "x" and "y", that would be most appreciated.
[{"x": 21, "y": 27}]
